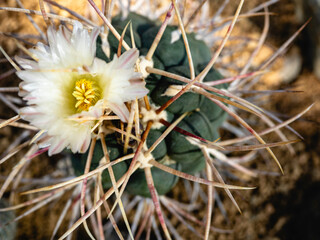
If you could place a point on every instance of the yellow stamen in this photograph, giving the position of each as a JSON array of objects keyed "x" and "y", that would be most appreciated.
[
  {"x": 86, "y": 93},
  {"x": 78, "y": 89}
]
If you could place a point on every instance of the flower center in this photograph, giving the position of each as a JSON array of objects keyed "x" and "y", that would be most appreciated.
[{"x": 86, "y": 94}]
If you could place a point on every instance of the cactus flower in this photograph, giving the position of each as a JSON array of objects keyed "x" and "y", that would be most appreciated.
[{"x": 68, "y": 89}]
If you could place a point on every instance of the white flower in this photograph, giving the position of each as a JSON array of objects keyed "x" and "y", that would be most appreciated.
[{"x": 67, "y": 81}]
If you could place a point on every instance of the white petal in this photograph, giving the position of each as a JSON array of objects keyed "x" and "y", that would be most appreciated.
[
  {"x": 22, "y": 92},
  {"x": 67, "y": 49},
  {"x": 30, "y": 76},
  {"x": 57, "y": 145},
  {"x": 127, "y": 59},
  {"x": 29, "y": 113},
  {"x": 120, "y": 109},
  {"x": 85, "y": 145},
  {"x": 26, "y": 63},
  {"x": 133, "y": 92},
  {"x": 44, "y": 142},
  {"x": 48, "y": 91},
  {"x": 80, "y": 140}
]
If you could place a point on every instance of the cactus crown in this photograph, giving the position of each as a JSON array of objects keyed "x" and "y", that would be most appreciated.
[{"x": 203, "y": 116}]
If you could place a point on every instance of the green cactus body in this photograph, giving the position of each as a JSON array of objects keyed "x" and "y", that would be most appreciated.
[
  {"x": 203, "y": 120},
  {"x": 114, "y": 151},
  {"x": 7, "y": 232}
]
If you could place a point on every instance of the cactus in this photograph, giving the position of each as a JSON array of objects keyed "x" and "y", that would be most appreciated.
[
  {"x": 204, "y": 117},
  {"x": 141, "y": 148}
]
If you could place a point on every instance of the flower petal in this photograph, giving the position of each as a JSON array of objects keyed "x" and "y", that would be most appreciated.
[
  {"x": 56, "y": 146},
  {"x": 26, "y": 63},
  {"x": 49, "y": 90},
  {"x": 120, "y": 109},
  {"x": 127, "y": 59}
]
